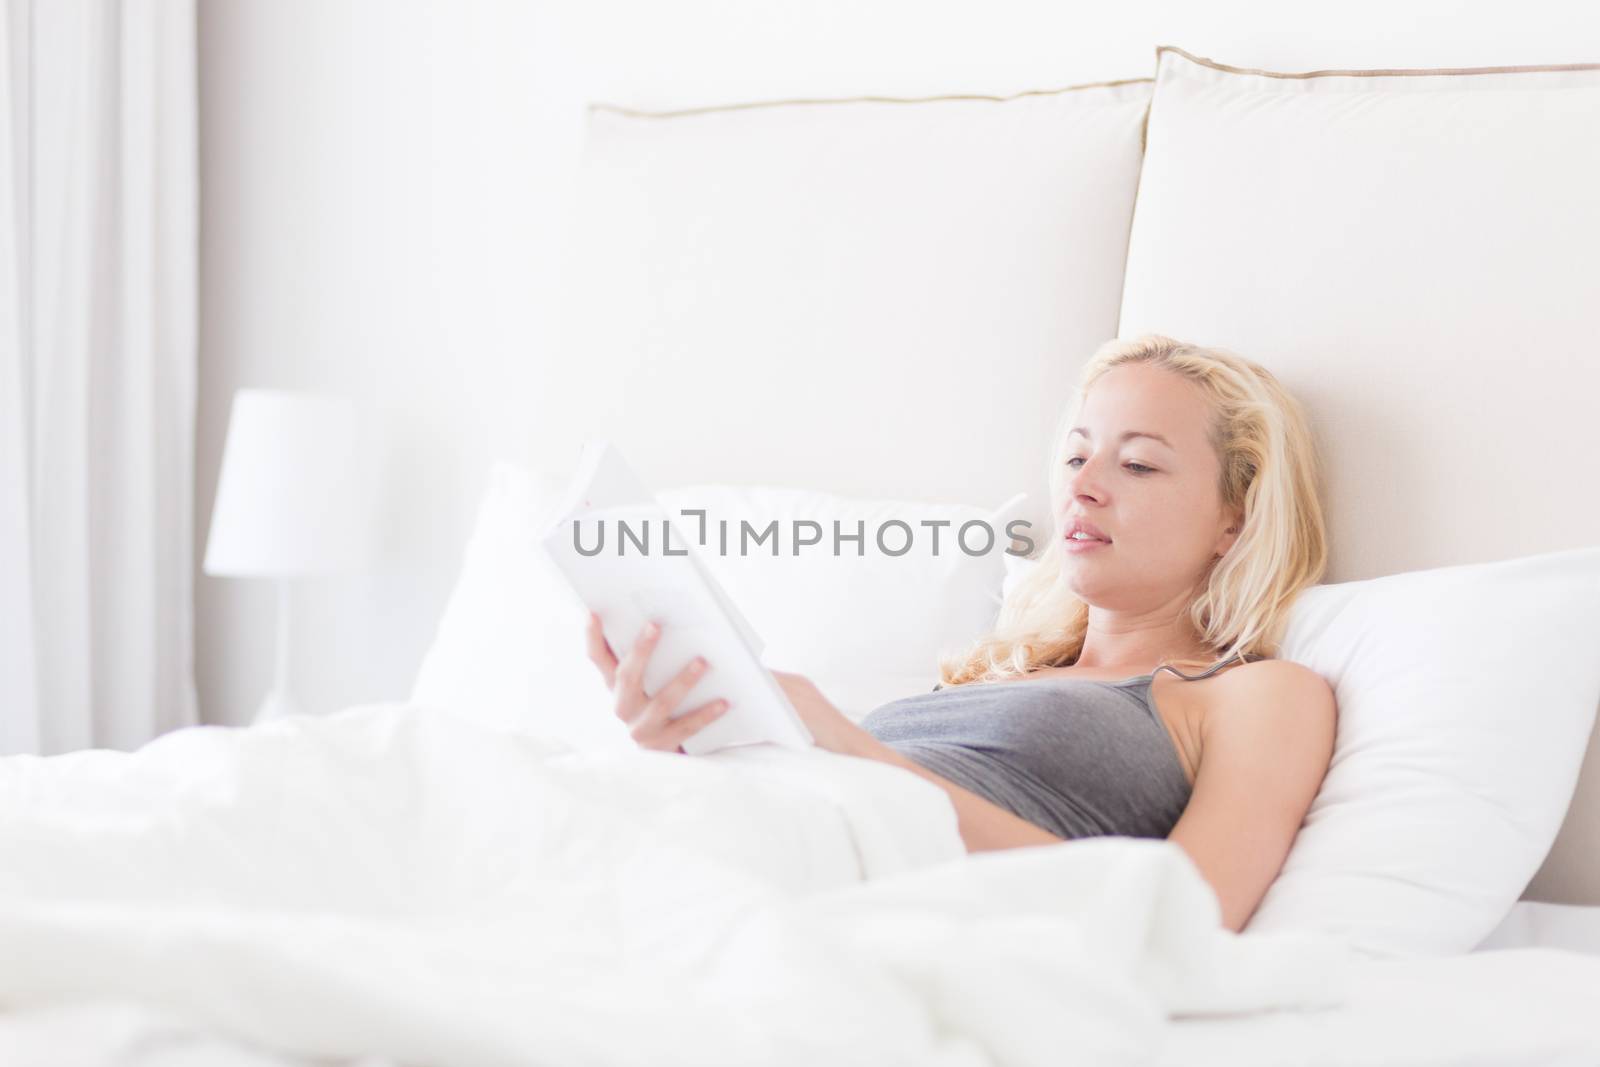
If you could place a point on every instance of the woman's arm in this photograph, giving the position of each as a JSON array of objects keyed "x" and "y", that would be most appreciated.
[{"x": 984, "y": 826}]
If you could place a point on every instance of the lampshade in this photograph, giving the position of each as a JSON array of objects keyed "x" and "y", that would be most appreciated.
[{"x": 296, "y": 489}]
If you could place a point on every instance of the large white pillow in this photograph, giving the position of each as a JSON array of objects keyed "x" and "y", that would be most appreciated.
[
  {"x": 1466, "y": 695},
  {"x": 510, "y": 643},
  {"x": 509, "y": 651}
]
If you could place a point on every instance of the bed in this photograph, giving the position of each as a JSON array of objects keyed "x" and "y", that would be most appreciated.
[
  {"x": 223, "y": 894},
  {"x": 480, "y": 874},
  {"x": 222, "y": 897}
]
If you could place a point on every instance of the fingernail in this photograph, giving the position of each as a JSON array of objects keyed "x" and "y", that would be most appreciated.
[
  {"x": 698, "y": 665},
  {"x": 651, "y": 629}
]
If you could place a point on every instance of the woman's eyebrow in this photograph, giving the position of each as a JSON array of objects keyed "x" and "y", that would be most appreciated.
[{"x": 1125, "y": 436}]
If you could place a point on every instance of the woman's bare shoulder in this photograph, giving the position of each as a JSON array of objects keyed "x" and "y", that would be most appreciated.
[
  {"x": 1273, "y": 681},
  {"x": 1264, "y": 702}
]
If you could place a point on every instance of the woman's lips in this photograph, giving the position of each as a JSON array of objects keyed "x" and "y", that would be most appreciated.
[{"x": 1074, "y": 545}]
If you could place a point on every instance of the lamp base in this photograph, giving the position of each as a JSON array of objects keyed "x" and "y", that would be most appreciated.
[{"x": 278, "y": 704}]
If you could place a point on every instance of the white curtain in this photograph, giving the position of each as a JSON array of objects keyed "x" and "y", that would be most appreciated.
[{"x": 98, "y": 210}]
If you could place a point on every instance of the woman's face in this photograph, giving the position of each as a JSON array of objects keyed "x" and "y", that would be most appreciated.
[{"x": 1155, "y": 499}]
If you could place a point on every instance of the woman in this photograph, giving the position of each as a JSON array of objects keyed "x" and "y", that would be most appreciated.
[{"x": 1185, "y": 497}]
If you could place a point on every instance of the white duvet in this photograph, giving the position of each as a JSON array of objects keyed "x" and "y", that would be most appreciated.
[{"x": 391, "y": 881}]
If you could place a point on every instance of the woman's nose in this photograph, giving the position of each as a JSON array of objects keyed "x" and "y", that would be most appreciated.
[{"x": 1083, "y": 480}]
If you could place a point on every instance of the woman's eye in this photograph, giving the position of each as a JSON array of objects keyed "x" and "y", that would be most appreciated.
[{"x": 1142, "y": 469}]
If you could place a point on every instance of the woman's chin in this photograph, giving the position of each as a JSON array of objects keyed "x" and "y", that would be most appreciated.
[{"x": 1085, "y": 586}]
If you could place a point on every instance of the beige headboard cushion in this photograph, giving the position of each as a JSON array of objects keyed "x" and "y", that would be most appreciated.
[{"x": 877, "y": 297}]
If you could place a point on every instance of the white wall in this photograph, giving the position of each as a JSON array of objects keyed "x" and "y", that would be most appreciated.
[
  {"x": 382, "y": 185},
  {"x": 376, "y": 196}
]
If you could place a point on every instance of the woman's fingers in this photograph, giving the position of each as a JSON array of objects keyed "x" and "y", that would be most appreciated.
[
  {"x": 600, "y": 651},
  {"x": 630, "y": 669},
  {"x": 649, "y": 718},
  {"x": 669, "y": 696},
  {"x": 690, "y": 723},
  {"x": 656, "y": 715}
]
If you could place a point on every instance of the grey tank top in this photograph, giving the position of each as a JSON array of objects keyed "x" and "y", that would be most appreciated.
[{"x": 1076, "y": 757}]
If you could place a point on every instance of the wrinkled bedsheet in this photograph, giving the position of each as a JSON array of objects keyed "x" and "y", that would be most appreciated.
[{"x": 394, "y": 883}]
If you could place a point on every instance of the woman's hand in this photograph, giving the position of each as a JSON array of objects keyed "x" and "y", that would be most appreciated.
[
  {"x": 648, "y": 717},
  {"x": 829, "y": 726}
]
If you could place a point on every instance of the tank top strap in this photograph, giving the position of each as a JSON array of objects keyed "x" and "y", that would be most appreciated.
[{"x": 1246, "y": 657}]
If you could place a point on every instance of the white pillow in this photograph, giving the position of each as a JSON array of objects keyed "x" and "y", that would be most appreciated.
[
  {"x": 1465, "y": 697},
  {"x": 510, "y": 644},
  {"x": 509, "y": 652}
]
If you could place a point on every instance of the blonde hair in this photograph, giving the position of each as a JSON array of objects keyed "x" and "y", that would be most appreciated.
[{"x": 1269, "y": 474}]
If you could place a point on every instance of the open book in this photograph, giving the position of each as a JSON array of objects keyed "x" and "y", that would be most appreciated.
[{"x": 631, "y": 562}]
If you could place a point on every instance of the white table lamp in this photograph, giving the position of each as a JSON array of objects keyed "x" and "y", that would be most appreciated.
[{"x": 293, "y": 499}]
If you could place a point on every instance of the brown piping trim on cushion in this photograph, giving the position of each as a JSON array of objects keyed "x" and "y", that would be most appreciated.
[
  {"x": 1369, "y": 73},
  {"x": 641, "y": 114}
]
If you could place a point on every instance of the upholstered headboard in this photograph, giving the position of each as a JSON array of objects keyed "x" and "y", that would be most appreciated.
[{"x": 892, "y": 297}]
